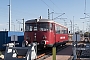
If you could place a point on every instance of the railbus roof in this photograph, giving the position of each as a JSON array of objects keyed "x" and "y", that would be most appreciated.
[{"x": 44, "y": 20}]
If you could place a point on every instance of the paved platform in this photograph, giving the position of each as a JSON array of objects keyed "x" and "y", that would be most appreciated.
[{"x": 64, "y": 54}]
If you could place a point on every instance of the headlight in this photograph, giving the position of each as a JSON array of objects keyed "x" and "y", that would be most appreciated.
[
  {"x": 34, "y": 36},
  {"x": 44, "y": 42}
]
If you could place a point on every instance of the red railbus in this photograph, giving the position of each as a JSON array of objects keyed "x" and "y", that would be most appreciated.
[{"x": 45, "y": 32}]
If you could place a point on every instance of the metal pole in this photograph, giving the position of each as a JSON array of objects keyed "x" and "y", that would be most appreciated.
[
  {"x": 48, "y": 14},
  {"x": 23, "y": 25},
  {"x": 9, "y": 15},
  {"x": 71, "y": 26},
  {"x": 83, "y": 27},
  {"x": 85, "y": 8},
  {"x": 52, "y": 15},
  {"x": 76, "y": 40},
  {"x": 74, "y": 51}
]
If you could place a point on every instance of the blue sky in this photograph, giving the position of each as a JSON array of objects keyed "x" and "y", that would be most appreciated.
[{"x": 29, "y": 9}]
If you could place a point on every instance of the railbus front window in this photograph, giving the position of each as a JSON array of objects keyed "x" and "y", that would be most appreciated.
[
  {"x": 37, "y": 27},
  {"x": 27, "y": 27},
  {"x": 30, "y": 27},
  {"x": 43, "y": 26}
]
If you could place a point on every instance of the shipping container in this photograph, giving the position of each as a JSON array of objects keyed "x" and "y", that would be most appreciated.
[{"x": 5, "y": 37}]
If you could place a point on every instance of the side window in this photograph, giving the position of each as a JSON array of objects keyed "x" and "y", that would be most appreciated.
[
  {"x": 57, "y": 29},
  {"x": 64, "y": 31},
  {"x": 61, "y": 30},
  {"x": 51, "y": 26}
]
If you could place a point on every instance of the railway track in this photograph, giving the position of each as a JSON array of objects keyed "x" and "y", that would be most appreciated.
[
  {"x": 48, "y": 52},
  {"x": 44, "y": 53}
]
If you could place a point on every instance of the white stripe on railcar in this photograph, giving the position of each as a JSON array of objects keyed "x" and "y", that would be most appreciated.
[{"x": 43, "y": 20}]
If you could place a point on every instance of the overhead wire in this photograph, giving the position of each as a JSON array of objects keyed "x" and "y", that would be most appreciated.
[
  {"x": 47, "y": 5},
  {"x": 58, "y": 8},
  {"x": 50, "y": 7},
  {"x": 55, "y": 5}
]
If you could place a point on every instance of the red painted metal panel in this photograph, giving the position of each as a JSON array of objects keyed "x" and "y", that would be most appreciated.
[
  {"x": 51, "y": 37},
  {"x": 39, "y": 36},
  {"x": 61, "y": 37}
]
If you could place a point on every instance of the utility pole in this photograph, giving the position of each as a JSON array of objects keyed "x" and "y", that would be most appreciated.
[
  {"x": 23, "y": 24},
  {"x": 65, "y": 23},
  {"x": 9, "y": 14},
  {"x": 48, "y": 14},
  {"x": 71, "y": 26},
  {"x": 52, "y": 15},
  {"x": 85, "y": 7},
  {"x": 83, "y": 27}
]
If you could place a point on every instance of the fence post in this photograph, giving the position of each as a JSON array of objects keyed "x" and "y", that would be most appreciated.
[{"x": 54, "y": 53}]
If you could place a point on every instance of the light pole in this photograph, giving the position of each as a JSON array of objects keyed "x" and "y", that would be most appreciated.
[
  {"x": 23, "y": 24},
  {"x": 65, "y": 23},
  {"x": 71, "y": 26},
  {"x": 9, "y": 15},
  {"x": 49, "y": 14},
  {"x": 83, "y": 27},
  {"x": 85, "y": 18},
  {"x": 88, "y": 26},
  {"x": 75, "y": 27},
  {"x": 52, "y": 15},
  {"x": 83, "y": 24}
]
